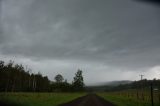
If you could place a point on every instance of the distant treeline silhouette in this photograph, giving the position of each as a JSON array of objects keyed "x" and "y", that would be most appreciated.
[
  {"x": 141, "y": 84},
  {"x": 145, "y": 84},
  {"x": 15, "y": 78},
  {"x": 134, "y": 85}
]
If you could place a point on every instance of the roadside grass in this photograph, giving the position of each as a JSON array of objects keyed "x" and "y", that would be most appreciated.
[
  {"x": 125, "y": 101},
  {"x": 37, "y": 99}
]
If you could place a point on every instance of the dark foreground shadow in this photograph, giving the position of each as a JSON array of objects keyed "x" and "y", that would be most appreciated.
[{"x": 2, "y": 103}]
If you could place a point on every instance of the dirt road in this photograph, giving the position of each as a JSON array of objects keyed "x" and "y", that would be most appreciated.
[{"x": 88, "y": 100}]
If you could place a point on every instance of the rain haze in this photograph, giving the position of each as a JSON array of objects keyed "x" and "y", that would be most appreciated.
[{"x": 107, "y": 39}]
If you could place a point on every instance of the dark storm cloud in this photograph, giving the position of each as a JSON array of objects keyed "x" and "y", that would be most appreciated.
[
  {"x": 156, "y": 2},
  {"x": 1, "y": 35},
  {"x": 118, "y": 33}
]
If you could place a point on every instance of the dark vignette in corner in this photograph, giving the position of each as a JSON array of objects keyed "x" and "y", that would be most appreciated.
[{"x": 156, "y": 2}]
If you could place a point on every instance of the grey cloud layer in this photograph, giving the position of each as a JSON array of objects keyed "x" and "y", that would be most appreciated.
[{"x": 118, "y": 33}]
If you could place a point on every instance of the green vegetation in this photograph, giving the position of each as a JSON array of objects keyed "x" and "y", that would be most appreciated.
[
  {"x": 37, "y": 99},
  {"x": 141, "y": 84},
  {"x": 131, "y": 98},
  {"x": 78, "y": 84},
  {"x": 15, "y": 78},
  {"x": 137, "y": 93}
]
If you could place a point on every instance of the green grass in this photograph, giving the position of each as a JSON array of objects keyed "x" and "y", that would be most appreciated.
[
  {"x": 38, "y": 99},
  {"x": 126, "y": 101}
]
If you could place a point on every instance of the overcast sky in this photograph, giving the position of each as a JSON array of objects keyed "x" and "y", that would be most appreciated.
[{"x": 107, "y": 39}]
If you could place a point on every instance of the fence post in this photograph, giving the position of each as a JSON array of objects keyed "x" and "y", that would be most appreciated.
[{"x": 152, "y": 94}]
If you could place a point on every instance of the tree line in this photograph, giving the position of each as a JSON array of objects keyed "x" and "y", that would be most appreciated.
[
  {"x": 134, "y": 85},
  {"x": 16, "y": 78},
  {"x": 141, "y": 84}
]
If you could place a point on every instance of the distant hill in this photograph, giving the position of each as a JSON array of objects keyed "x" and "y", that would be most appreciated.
[
  {"x": 104, "y": 86},
  {"x": 116, "y": 83},
  {"x": 125, "y": 84}
]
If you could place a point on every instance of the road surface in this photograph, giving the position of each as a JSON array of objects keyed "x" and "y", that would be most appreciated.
[{"x": 88, "y": 100}]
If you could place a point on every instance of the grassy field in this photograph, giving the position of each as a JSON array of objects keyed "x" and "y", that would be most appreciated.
[
  {"x": 37, "y": 99},
  {"x": 129, "y": 98},
  {"x": 124, "y": 98}
]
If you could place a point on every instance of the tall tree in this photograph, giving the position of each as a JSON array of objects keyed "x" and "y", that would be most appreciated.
[
  {"x": 59, "y": 78},
  {"x": 78, "y": 84}
]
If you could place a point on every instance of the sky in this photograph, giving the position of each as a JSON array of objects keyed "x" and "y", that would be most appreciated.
[{"x": 107, "y": 39}]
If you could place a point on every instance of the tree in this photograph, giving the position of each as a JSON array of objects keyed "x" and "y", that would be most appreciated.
[
  {"x": 78, "y": 84},
  {"x": 14, "y": 77},
  {"x": 1, "y": 65},
  {"x": 59, "y": 78},
  {"x": 2, "y": 76}
]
